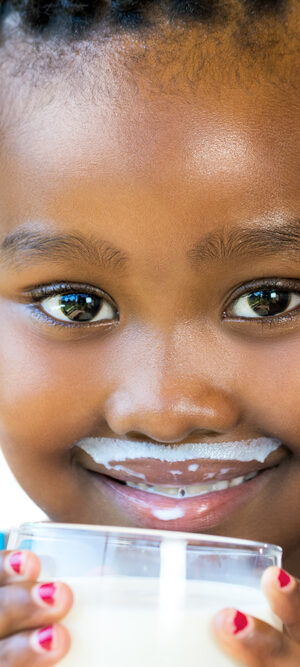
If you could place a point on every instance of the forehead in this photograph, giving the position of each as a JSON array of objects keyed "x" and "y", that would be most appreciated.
[{"x": 149, "y": 147}]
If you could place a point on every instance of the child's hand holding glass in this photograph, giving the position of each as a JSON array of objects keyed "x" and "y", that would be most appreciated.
[
  {"x": 257, "y": 644},
  {"x": 30, "y": 632}
]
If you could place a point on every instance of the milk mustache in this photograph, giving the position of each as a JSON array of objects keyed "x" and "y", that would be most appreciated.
[{"x": 133, "y": 622}]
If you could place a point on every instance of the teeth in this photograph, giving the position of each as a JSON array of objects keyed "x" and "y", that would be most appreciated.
[
  {"x": 192, "y": 489},
  {"x": 222, "y": 485},
  {"x": 236, "y": 481}
]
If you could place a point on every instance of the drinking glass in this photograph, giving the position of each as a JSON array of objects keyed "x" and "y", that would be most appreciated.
[{"x": 146, "y": 597}]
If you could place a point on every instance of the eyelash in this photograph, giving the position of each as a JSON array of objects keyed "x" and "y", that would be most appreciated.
[
  {"x": 36, "y": 295},
  {"x": 286, "y": 285}
]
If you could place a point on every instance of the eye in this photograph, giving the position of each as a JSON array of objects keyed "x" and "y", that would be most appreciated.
[
  {"x": 78, "y": 307},
  {"x": 265, "y": 303}
]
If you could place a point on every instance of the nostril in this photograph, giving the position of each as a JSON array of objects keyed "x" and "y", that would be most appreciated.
[
  {"x": 193, "y": 436},
  {"x": 132, "y": 435}
]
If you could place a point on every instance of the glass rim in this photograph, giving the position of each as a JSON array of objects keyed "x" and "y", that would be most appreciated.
[{"x": 212, "y": 540}]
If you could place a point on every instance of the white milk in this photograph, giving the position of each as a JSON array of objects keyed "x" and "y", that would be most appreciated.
[
  {"x": 107, "y": 450},
  {"x": 118, "y": 622}
]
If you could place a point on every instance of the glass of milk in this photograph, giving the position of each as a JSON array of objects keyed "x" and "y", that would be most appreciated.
[{"x": 146, "y": 597}]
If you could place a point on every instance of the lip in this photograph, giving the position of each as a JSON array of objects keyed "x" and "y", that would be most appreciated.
[
  {"x": 178, "y": 473},
  {"x": 193, "y": 514}
]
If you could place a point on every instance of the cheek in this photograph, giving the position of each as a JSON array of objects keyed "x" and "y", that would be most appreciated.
[
  {"x": 270, "y": 375},
  {"x": 48, "y": 389}
]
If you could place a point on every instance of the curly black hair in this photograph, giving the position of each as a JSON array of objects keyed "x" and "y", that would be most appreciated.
[{"x": 40, "y": 15}]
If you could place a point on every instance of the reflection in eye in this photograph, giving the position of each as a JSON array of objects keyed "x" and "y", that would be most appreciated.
[
  {"x": 265, "y": 303},
  {"x": 78, "y": 307}
]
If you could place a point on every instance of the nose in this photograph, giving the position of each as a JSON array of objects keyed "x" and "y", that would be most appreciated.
[{"x": 170, "y": 411}]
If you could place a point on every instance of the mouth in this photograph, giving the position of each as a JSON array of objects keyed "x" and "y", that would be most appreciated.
[
  {"x": 186, "y": 495},
  {"x": 197, "y": 511},
  {"x": 191, "y": 490}
]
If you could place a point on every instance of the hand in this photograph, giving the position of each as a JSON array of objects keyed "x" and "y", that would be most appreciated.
[
  {"x": 257, "y": 644},
  {"x": 29, "y": 633}
]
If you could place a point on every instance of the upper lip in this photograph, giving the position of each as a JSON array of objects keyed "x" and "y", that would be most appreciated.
[{"x": 155, "y": 472}]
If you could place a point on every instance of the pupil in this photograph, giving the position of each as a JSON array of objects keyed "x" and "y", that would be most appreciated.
[
  {"x": 269, "y": 302},
  {"x": 80, "y": 307}
]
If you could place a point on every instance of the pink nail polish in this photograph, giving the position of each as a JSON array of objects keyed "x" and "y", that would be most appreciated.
[
  {"x": 283, "y": 578},
  {"x": 240, "y": 622},
  {"x": 45, "y": 637},
  {"x": 47, "y": 593},
  {"x": 16, "y": 560}
]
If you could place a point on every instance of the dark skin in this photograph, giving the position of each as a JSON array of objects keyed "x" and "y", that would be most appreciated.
[{"x": 154, "y": 175}]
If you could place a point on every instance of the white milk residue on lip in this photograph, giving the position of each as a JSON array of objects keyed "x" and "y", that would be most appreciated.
[
  {"x": 105, "y": 450},
  {"x": 168, "y": 513},
  {"x": 128, "y": 471}
]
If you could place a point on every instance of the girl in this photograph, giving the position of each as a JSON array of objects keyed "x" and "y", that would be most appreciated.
[{"x": 150, "y": 288}]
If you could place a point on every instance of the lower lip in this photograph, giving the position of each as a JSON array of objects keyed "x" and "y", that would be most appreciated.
[{"x": 150, "y": 510}]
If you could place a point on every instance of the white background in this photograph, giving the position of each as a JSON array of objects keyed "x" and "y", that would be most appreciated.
[{"x": 15, "y": 506}]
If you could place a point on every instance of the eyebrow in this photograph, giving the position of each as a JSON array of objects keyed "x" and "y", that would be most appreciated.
[
  {"x": 244, "y": 242},
  {"x": 25, "y": 247}
]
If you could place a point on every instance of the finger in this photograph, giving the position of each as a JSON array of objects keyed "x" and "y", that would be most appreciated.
[
  {"x": 254, "y": 643},
  {"x": 46, "y": 646},
  {"x": 26, "y": 605},
  {"x": 283, "y": 593},
  {"x": 18, "y": 566}
]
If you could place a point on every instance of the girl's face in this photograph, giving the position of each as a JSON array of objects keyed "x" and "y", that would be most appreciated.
[{"x": 166, "y": 216}]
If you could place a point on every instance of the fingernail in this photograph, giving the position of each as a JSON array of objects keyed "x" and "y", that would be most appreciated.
[
  {"x": 240, "y": 622},
  {"x": 283, "y": 578},
  {"x": 16, "y": 562},
  {"x": 46, "y": 592},
  {"x": 45, "y": 637}
]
